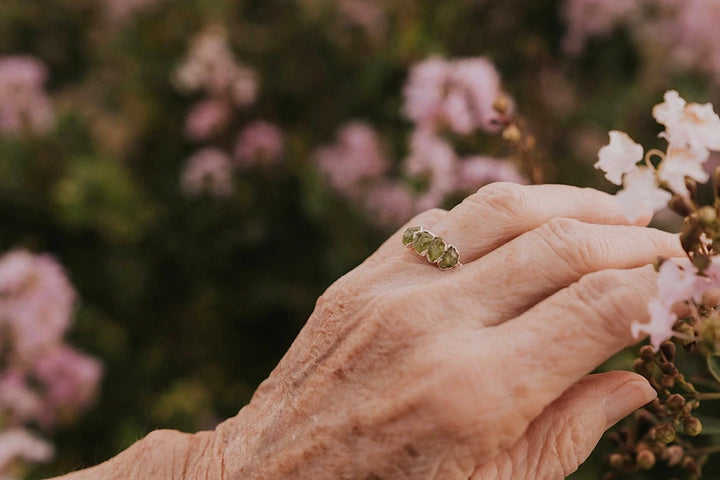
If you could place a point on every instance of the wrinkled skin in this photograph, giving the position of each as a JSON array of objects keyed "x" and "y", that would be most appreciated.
[{"x": 404, "y": 371}]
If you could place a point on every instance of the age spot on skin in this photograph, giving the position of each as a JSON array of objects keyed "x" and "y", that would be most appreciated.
[{"x": 412, "y": 451}]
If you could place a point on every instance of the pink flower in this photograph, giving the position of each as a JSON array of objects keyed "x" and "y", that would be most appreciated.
[
  {"x": 209, "y": 170},
  {"x": 69, "y": 378},
  {"x": 207, "y": 118},
  {"x": 692, "y": 126},
  {"x": 24, "y": 105},
  {"x": 619, "y": 157},
  {"x": 660, "y": 325},
  {"x": 364, "y": 14},
  {"x": 680, "y": 163},
  {"x": 389, "y": 204},
  {"x": 474, "y": 172},
  {"x": 123, "y": 9},
  {"x": 641, "y": 193},
  {"x": 211, "y": 66},
  {"x": 459, "y": 94},
  {"x": 589, "y": 18},
  {"x": 356, "y": 157},
  {"x": 19, "y": 444},
  {"x": 259, "y": 142},
  {"x": 36, "y": 301},
  {"x": 433, "y": 159},
  {"x": 18, "y": 403}
]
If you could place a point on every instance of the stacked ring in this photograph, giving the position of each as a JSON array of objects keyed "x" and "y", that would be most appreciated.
[{"x": 432, "y": 247}]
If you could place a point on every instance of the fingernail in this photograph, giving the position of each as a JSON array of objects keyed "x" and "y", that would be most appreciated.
[{"x": 626, "y": 398}]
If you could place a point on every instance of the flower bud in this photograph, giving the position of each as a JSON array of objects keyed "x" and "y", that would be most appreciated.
[
  {"x": 643, "y": 368},
  {"x": 687, "y": 330},
  {"x": 675, "y": 402},
  {"x": 647, "y": 353},
  {"x": 707, "y": 215},
  {"x": 680, "y": 205},
  {"x": 709, "y": 329},
  {"x": 668, "y": 381},
  {"x": 692, "y": 426},
  {"x": 716, "y": 181},
  {"x": 673, "y": 455},
  {"x": 646, "y": 459},
  {"x": 654, "y": 407},
  {"x": 501, "y": 104},
  {"x": 689, "y": 464},
  {"x": 665, "y": 433},
  {"x": 691, "y": 186},
  {"x": 668, "y": 349},
  {"x": 512, "y": 133},
  {"x": 616, "y": 461},
  {"x": 681, "y": 309},
  {"x": 668, "y": 368},
  {"x": 711, "y": 297}
]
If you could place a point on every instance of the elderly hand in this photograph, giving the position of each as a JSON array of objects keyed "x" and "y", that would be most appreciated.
[{"x": 404, "y": 371}]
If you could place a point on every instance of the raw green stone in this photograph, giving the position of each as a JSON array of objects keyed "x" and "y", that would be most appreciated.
[
  {"x": 422, "y": 241},
  {"x": 450, "y": 259},
  {"x": 436, "y": 249},
  {"x": 408, "y": 235}
]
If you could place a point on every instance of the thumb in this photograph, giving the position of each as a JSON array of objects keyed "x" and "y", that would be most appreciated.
[{"x": 567, "y": 431}]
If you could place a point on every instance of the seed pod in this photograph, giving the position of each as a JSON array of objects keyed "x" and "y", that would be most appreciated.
[
  {"x": 668, "y": 349},
  {"x": 616, "y": 461},
  {"x": 668, "y": 368},
  {"x": 646, "y": 459},
  {"x": 665, "y": 433},
  {"x": 643, "y": 368},
  {"x": 647, "y": 353},
  {"x": 692, "y": 426},
  {"x": 675, "y": 402}
]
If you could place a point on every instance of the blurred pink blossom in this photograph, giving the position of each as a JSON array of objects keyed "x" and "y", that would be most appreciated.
[
  {"x": 20, "y": 444},
  {"x": 590, "y": 18},
  {"x": 69, "y": 378},
  {"x": 36, "y": 301},
  {"x": 211, "y": 66},
  {"x": 24, "y": 105},
  {"x": 474, "y": 172},
  {"x": 209, "y": 170},
  {"x": 259, "y": 142},
  {"x": 365, "y": 14},
  {"x": 434, "y": 160},
  {"x": 456, "y": 93},
  {"x": 207, "y": 118},
  {"x": 18, "y": 402},
  {"x": 389, "y": 203},
  {"x": 357, "y": 156},
  {"x": 122, "y": 9}
]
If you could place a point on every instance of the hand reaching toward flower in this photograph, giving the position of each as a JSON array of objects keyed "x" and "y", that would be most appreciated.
[{"x": 404, "y": 371}]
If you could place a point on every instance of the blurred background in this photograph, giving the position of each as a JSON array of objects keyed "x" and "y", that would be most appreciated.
[{"x": 181, "y": 179}]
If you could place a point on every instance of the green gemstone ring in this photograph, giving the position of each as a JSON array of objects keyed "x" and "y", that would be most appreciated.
[{"x": 432, "y": 247}]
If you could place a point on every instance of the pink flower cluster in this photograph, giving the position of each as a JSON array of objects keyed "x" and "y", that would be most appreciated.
[
  {"x": 211, "y": 67},
  {"x": 691, "y": 131},
  {"x": 42, "y": 379},
  {"x": 24, "y": 104},
  {"x": 120, "y": 10},
  {"x": 685, "y": 31},
  {"x": 365, "y": 14},
  {"x": 458, "y": 95}
]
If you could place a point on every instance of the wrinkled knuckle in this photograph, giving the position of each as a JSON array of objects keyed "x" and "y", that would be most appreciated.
[
  {"x": 605, "y": 294},
  {"x": 506, "y": 198},
  {"x": 427, "y": 218},
  {"x": 571, "y": 243}
]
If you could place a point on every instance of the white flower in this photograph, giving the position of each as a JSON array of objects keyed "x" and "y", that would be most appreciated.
[
  {"x": 692, "y": 126},
  {"x": 619, "y": 156},
  {"x": 641, "y": 193},
  {"x": 660, "y": 325},
  {"x": 680, "y": 163}
]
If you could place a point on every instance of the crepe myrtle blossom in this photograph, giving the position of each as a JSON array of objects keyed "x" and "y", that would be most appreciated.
[
  {"x": 356, "y": 157},
  {"x": 20, "y": 444},
  {"x": 207, "y": 118},
  {"x": 680, "y": 163},
  {"x": 24, "y": 104},
  {"x": 474, "y": 172},
  {"x": 210, "y": 171},
  {"x": 688, "y": 125},
  {"x": 641, "y": 193},
  {"x": 259, "y": 142},
  {"x": 458, "y": 94},
  {"x": 619, "y": 157},
  {"x": 677, "y": 282}
]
